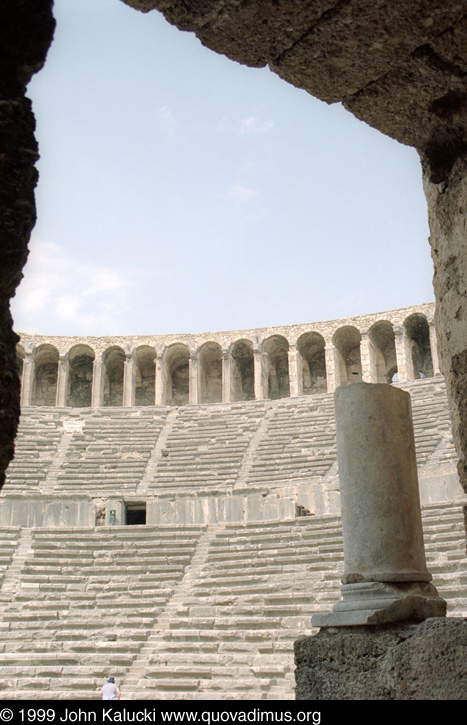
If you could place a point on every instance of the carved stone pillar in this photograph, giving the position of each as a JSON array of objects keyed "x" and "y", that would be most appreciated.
[
  {"x": 129, "y": 381},
  {"x": 27, "y": 379},
  {"x": 434, "y": 348},
  {"x": 62, "y": 381},
  {"x": 403, "y": 354},
  {"x": 295, "y": 372},
  {"x": 98, "y": 381},
  {"x": 194, "y": 378},
  {"x": 258, "y": 356},
  {"x": 368, "y": 358},
  {"x": 227, "y": 370},
  {"x": 332, "y": 367},
  {"x": 161, "y": 380},
  {"x": 385, "y": 576}
]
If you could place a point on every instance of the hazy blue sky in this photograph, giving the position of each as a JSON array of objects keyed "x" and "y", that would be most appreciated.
[{"x": 182, "y": 192}]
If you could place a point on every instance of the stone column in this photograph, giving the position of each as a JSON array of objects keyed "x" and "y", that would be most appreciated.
[
  {"x": 227, "y": 369},
  {"x": 98, "y": 381},
  {"x": 129, "y": 381},
  {"x": 332, "y": 367},
  {"x": 295, "y": 372},
  {"x": 161, "y": 381},
  {"x": 62, "y": 381},
  {"x": 260, "y": 392},
  {"x": 403, "y": 354},
  {"x": 385, "y": 576},
  {"x": 194, "y": 378},
  {"x": 434, "y": 348},
  {"x": 27, "y": 379},
  {"x": 368, "y": 358}
]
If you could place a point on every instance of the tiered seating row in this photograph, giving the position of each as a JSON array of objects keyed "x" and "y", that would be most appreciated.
[
  {"x": 90, "y": 598},
  {"x": 36, "y": 444},
  {"x": 87, "y": 600},
  {"x": 113, "y": 450},
  {"x": 206, "y": 445}
]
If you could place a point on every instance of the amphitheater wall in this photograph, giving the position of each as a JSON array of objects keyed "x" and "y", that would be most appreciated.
[
  {"x": 438, "y": 485},
  {"x": 48, "y": 511},
  {"x": 277, "y": 362}
]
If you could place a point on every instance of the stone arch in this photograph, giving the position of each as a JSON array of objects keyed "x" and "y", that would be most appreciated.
[
  {"x": 210, "y": 373},
  {"x": 44, "y": 390},
  {"x": 81, "y": 359},
  {"x": 114, "y": 371},
  {"x": 418, "y": 332},
  {"x": 243, "y": 370},
  {"x": 276, "y": 349},
  {"x": 177, "y": 375},
  {"x": 311, "y": 346},
  {"x": 145, "y": 375},
  {"x": 346, "y": 341},
  {"x": 384, "y": 350}
]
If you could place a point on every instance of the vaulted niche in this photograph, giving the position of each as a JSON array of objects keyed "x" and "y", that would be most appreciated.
[
  {"x": 311, "y": 349},
  {"x": 114, "y": 365},
  {"x": 243, "y": 370},
  {"x": 177, "y": 371},
  {"x": 81, "y": 360},
  {"x": 44, "y": 391},
  {"x": 276, "y": 349}
]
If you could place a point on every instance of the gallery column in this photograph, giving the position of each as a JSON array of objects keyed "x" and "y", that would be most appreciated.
[
  {"x": 98, "y": 380},
  {"x": 27, "y": 379},
  {"x": 194, "y": 378},
  {"x": 62, "y": 381}
]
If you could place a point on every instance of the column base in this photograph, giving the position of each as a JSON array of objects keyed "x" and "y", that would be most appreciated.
[{"x": 374, "y": 603}]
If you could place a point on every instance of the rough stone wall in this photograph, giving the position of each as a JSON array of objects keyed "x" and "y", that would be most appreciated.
[
  {"x": 447, "y": 203},
  {"x": 26, "y": 29},
  {"x": 411, "y": 662}
]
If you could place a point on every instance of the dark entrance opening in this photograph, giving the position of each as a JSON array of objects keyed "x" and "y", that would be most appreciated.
[{"x": 135, "y": 514}]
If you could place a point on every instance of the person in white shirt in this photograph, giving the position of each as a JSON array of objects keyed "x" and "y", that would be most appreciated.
[{"x": 110, "y": 690}]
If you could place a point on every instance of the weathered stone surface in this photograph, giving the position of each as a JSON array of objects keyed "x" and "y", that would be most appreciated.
[
  {"x": 415, "y": 662},
  {"x": 26, "y": 29},
  {"x": 447, "y": 204},
  {"x": 395, "y": 65}
]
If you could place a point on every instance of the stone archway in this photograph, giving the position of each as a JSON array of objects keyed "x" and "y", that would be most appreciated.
[
  {"x": 114, "y": 366},
  {"x": 80, "y": 376},
  {"x": 177, "y": 363},
  {"x": 44, "y": 391}
]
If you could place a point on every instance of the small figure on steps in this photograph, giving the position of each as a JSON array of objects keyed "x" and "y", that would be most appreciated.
[{"x": 110, "y": 690}]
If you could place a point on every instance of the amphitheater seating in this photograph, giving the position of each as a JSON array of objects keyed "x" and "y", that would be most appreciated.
[
  {"x": 39, "y": 434},
  {"x": 84, "y": 601},
  {"x": 112, "y": 451},
  {"x": 206, "y": 446},
  {"x": 257, "y": 443},
  {"x": 187, "y": 612},
  {"x": 299, "y": 443},
  {"x": 181, "y": 612}
]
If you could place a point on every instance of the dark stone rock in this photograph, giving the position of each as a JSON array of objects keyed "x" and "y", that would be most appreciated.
[{"x": 412, "y": 662}]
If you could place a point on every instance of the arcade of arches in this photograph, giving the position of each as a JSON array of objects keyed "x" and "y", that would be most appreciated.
[{"x": 275, "y": 363}]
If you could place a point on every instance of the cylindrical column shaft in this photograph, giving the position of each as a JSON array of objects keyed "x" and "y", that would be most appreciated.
[{"x": 381, "y": 519}]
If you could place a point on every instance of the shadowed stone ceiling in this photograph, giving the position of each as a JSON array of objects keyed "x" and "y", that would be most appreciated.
[{"x": 400, "y": 66}]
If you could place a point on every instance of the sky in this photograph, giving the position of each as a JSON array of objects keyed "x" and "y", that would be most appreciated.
[{"x": 181, "y": 192}]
